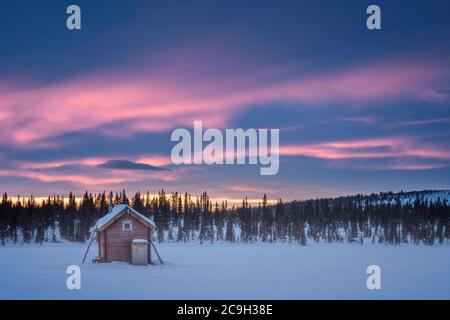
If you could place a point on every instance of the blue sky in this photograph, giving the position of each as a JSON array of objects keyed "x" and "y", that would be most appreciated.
[{"x": 358, "y": 110}]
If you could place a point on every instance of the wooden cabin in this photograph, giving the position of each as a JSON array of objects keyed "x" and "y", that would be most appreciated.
[{"x": 122, "y": 235}]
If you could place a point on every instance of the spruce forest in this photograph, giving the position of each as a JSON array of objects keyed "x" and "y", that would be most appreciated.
[{"x": 391, "y": 218}]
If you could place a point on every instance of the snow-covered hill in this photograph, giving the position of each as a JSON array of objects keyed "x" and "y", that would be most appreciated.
[{"x": 408, "y": 198}]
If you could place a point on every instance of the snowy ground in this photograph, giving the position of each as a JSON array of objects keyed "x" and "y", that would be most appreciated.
[{"x": 227, "y": 271}]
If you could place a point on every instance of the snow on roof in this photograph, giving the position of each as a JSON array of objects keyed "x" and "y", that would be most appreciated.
[
  {"x": 140, "y": 241},
  {"x": 116, "y": 211}
]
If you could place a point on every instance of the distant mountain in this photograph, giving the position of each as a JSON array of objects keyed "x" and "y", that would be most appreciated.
[{"x": 408, "y": 198}]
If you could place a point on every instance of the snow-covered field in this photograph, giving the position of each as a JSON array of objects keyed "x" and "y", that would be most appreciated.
[{"x": 231, "y": 271}]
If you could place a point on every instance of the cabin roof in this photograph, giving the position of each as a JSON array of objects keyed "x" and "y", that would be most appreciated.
[{"x": 116, "y": 211}]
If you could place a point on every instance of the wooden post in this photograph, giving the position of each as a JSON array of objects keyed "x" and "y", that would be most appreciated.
[
  {"x": 90, "y": 242},
  {"x": 156, "y": 251}
]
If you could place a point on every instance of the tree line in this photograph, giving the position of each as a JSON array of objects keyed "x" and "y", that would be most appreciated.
[{"x": 376, "y": 218}]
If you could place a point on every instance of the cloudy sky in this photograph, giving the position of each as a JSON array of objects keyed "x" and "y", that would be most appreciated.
[{"x": 358, "y": 110}]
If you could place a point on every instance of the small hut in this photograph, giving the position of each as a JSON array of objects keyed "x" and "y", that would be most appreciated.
[{"x": 122, "y": 233}]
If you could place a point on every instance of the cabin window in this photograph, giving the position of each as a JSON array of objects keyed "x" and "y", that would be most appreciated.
[{"x": 127, "y": 226}]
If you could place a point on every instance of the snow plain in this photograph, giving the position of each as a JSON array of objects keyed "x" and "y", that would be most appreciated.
[{"x": 231, "y": 271}]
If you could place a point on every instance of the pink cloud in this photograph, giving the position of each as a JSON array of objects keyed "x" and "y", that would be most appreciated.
[
  {"x": 156, "y": 103},
  {"x": 246, "y": 188},
  {"x": 391, "y": 147},
  {"x": 420, "y": 122},
  {"x": 410, "y": 166},
  {"x": 86, "y": 180},
  {"x": 60, "y": 163},
  {"x": 87, "y": 173},
  {"x": 154, "y": 160},
  {"x": 362, "y": 120}
]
